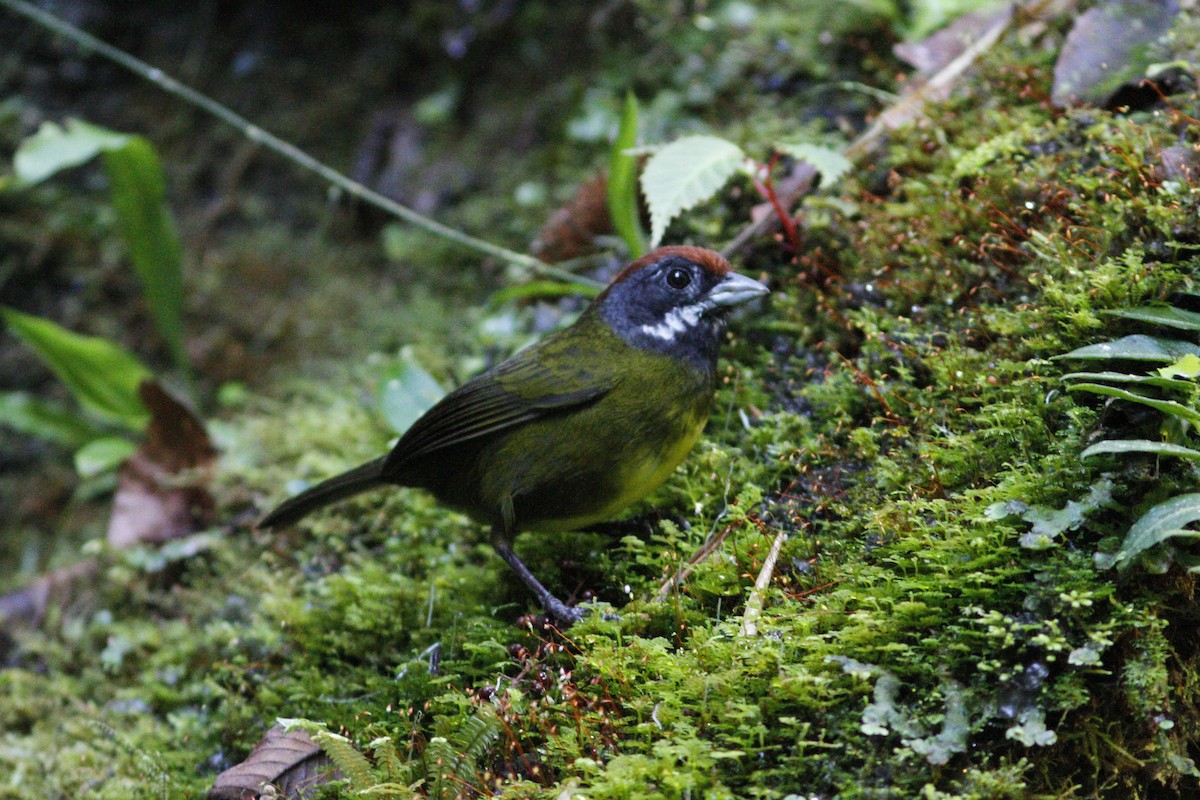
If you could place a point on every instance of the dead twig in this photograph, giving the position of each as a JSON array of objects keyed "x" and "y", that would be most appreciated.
[
  {"x": 754, "y": 603},
  {"x": 903, "y": 111}
]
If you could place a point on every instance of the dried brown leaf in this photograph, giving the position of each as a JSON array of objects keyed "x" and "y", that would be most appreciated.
[
  {"x": 161, "y": 493},
  {"x": 572, "y": 230},
  {"x": 290, "y": 761}
]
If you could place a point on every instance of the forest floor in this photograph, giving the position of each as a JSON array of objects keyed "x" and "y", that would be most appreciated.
[{"x": 903, "y": 576}]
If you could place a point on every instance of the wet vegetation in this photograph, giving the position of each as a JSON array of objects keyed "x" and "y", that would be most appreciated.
[{"x": 905, "y": 452}]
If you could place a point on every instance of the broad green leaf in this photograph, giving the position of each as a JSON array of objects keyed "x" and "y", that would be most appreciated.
[
  {"x": 1121, "y": 446},
  {"x": 830, "y": 163},
  {"x": 45, "y": 420},
  {"x": 102, "y": 376},
  {"x": 1164, "y": 521},
  {"x": 622, "y": 181},
  {"x": 54, "y": 148},
  {"x": 685, "y": 173},
  {"x": 407, "y": 393},
  {"x": 1137, "y": 347},
  {"x": 1169, "y": 407},
  {"x": 1168, "y": 316},
  {"x": 1186, "y": 367},
  {"x": 1157, "y": 381},
  {"x": 102, "y": 455},
  {"x": 139, "y": 196}
]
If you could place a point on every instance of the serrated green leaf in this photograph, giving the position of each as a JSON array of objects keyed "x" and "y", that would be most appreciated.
[
  {"x": 102, "y": 455},
  {"x": 685, "y": 173},
  {"x": 1169, "y": 407},
  {"x": 622, "y": 181},
  {"x": 139, "y": 196},
  {"x": 1137, "y": 347},
  {"x": 1160, "y": 315},
  {"x": 1122, "y": 446},
  {"x": 407, "y": 393},
  {"x": 101, "y": 375},
  {"x": 829, "y": 163},
  {"x": 1164, "y": 521},
  {"x": 45, "y": 420},
  {"x": 54, "y": 148}
]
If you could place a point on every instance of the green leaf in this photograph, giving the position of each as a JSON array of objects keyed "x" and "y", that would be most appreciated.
[
  {"x": 45, "y": 420},
  {"x": 407, "y": 393},
  {"x": 53, "y": 149},
  {"x": 1157, "y": 381},
  {"x": 138, "y": 192},
  {"x": 1160, "y": 315},
  {"x": 102, "y": 455},
  {"x": 1169, "y": 407},
  {"x": 139, "y": 196},
  {"x": 829, "y": 163},
  {"x": 1122, "y": 446},
  {"x": 102, "y": 376},
  {"x": 622, "y": 181},
  {"x": 1138, "y": 347},
  {"x": 1164, "y": 521},
  {"x": 1186, "y": 367},
  {"x": 542, "y": 289},
  {"x": 685, "y": 173}
]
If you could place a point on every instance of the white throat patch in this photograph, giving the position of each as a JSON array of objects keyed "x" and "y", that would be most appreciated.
[{"x": 676, "y": 322}]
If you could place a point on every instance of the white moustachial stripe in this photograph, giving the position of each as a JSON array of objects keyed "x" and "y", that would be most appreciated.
[{"x": 676, "y": 321}]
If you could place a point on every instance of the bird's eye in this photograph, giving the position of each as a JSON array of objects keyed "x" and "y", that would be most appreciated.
[{"x": 678, "y": 278}]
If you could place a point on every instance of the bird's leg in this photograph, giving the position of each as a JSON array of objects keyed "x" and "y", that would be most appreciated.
[{"x": 563, "y": 613}]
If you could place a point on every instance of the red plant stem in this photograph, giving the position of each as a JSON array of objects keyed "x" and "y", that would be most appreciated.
[{"x": 766, "y": 187}]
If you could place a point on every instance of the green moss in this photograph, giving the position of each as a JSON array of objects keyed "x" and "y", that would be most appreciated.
[{"x": 900, "y": 421}]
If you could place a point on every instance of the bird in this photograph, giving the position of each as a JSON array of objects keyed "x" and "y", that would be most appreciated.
[{"x": 573, "y": 429}]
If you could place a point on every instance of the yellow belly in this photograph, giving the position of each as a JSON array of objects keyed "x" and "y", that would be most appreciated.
[{"x": 638, "y": 480}]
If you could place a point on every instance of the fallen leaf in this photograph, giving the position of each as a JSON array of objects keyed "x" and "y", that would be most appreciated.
[
  {"x": 1108, "y": 48},
  {"x": 28, "y": 604},
  {"x": 937, "y": 50},
  {"x": 161, "y": 493},
  {"x": 160, "y": 496},
  {"x": 290, "y": 761},
  {"x": 1178, "y": 163},
  {"x": 572, "y": 230}
]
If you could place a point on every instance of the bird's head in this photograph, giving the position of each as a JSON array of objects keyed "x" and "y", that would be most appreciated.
[{"x": 673, "y": 300}]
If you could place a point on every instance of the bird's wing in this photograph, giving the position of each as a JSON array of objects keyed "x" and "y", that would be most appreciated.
[{"x": 548, "y": 377}]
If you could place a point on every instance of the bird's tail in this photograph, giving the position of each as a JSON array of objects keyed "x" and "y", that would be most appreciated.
[{"x": 339, "y": 487}]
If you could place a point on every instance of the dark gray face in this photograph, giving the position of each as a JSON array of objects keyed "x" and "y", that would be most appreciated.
[{"x": 676, "y": 307}]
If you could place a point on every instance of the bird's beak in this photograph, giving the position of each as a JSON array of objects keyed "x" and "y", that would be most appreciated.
[{"x": 734, "y": 289}]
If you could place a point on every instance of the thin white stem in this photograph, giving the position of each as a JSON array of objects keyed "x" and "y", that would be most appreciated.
[{"x": 280, "y": 146}]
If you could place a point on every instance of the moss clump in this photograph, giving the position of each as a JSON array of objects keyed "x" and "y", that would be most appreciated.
[{"x": 937, "y": 623}]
